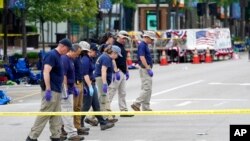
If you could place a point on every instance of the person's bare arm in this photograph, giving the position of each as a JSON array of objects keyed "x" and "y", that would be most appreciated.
[
  {"x": 104, "y": 74},
  {"x": 144, "y": 62},
  {"x": 65, "y": 82},
  {"x": 87, "y": 80},
  {"x": 115, "y": 66},
  {"x": 46, "y": 76}
]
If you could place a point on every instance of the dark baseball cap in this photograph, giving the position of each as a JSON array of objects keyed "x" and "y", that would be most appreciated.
[
  {"x": 94, "y": 46},
  {"x": 67, "y": 42}
]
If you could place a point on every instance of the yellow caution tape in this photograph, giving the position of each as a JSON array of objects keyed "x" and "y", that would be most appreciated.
[
  {"x": 146, "y": 113},
  {"x": 18, "y": 35}
]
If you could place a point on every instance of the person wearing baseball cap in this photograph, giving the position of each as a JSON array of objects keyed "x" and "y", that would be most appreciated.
[
  {"x": 70, "y": 92},
  {"x": 104, "y": 69},
  {"x": 119, "y": 85},
  {"x": 90, "y": 98},
  {"x": 123, "y": 34},
  {"x": 116, "y": 49},
  {"x": 94, "y": 47},
  {"x": 66, "y": 42},
  {"x": 146, "y": 63},
  {"x": 51, "y": 91},
  {"x": 149, "y": 34}
]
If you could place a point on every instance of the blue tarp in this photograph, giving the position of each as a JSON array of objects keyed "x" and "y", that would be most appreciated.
[{"x": 4, "y": 99}]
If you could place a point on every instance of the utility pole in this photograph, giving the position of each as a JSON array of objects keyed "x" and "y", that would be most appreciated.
[
  {"x": 158, "y": 14},
  {"x": 24, "y": 43},
  {"x": 243, "y": 5},
  {"x": 121, "y": 15},
  {"x": 5, "y": 30}
]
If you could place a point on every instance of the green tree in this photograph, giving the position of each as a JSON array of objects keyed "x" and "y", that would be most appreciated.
[
  {"x": 81, "y": 12},
  {"x": 76, "y": 11},
  {"x": 42, "y": 11}
]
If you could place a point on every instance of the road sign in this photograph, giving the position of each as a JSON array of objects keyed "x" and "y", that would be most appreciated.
[{"x": 1, "y": 3}]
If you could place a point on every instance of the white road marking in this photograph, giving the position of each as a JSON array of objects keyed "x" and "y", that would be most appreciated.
[
  {"x": 187, "y": 99},
  {"x": 221, "y": 103},
  {"x": 178, "y": 87},
  {"x": 229, "y": 84},
  {"x": 201, "y": 99},
  {"x": 183, "y": 104}
]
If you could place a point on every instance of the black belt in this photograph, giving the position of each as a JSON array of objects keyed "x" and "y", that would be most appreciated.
[{"x": 143, "y": 67}]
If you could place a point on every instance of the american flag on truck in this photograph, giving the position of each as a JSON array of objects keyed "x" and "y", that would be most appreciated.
[{"x": 205, "y": 38}]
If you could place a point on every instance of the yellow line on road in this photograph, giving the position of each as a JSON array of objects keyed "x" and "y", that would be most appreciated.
[
  {"x": 145, "y": 113},
  {"x": 25, "y": 96}
]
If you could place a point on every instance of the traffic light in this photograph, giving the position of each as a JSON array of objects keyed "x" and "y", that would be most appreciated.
[
  {"x": 201, "y": 9},
  {"x": 248, "y": 12},
  {"x": 117, "y": 24},
  {"x": 99, "y": 15},
  {"x": 213, "y": 9}
]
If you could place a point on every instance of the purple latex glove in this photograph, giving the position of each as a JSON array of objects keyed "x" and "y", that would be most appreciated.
[
  {"x": 150, "y": 73},
  {"x": 127, "y": 75},
  {"x": 76, "y": 92},
  {"x": 117, "y": 75},
  {"x": 105, "y": 88},
  {"x": 48, "y": 95}
]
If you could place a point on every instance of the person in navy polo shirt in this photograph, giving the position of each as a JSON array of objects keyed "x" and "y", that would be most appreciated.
[
  {"x": 103, "y": 73},
  {"x": 121, "y": 75},
  {"x": 78, "y": 100},
  {"x": 146, "y": 73},
  {"x": 52, "y": 80},
  {"x": 69, "y": 89},
  {"x": 90, "y": 90}
]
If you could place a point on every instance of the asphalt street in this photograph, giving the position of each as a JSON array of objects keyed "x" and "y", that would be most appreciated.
[{"x": 218, "y": 85}]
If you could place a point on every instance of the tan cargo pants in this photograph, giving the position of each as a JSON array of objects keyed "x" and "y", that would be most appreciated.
[
  {"x": 146, "y": 91},
  {"x": 120, "y": 86},
  {"x": 55, "y": 121}
]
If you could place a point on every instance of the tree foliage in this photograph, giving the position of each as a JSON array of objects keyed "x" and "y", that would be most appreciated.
[
  {"x": 131, "y": 3},
  {"x": 81, "y": 11},
  {"x": 61, "y": 10}
]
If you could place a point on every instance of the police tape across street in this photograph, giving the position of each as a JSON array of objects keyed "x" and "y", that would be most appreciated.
[{"x": 139, "y": 113}]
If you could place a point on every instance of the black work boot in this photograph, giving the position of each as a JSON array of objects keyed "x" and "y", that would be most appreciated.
[
  {"x": 29, "y": 139},
  {"x": 107, "y": 126},
  {"x": 55, "y": 139},
  {"x": 83, "y": 131},
  {"x": 76, "y": 138}
]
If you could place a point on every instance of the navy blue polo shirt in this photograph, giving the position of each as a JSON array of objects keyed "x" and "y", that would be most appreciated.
[
  {"x": 78, "y": 69},
  {"x": 143, "y": 50},
  {"x": 69, "y": 69},
  {"x": 53, "y": 58},
  {"x": 121, "y": 62},
  {"x": 104, "y": 60},
  {"x": 88, "y": 67}
]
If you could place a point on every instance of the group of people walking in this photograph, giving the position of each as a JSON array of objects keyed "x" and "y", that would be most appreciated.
[{"x": 82, "y": 77}]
